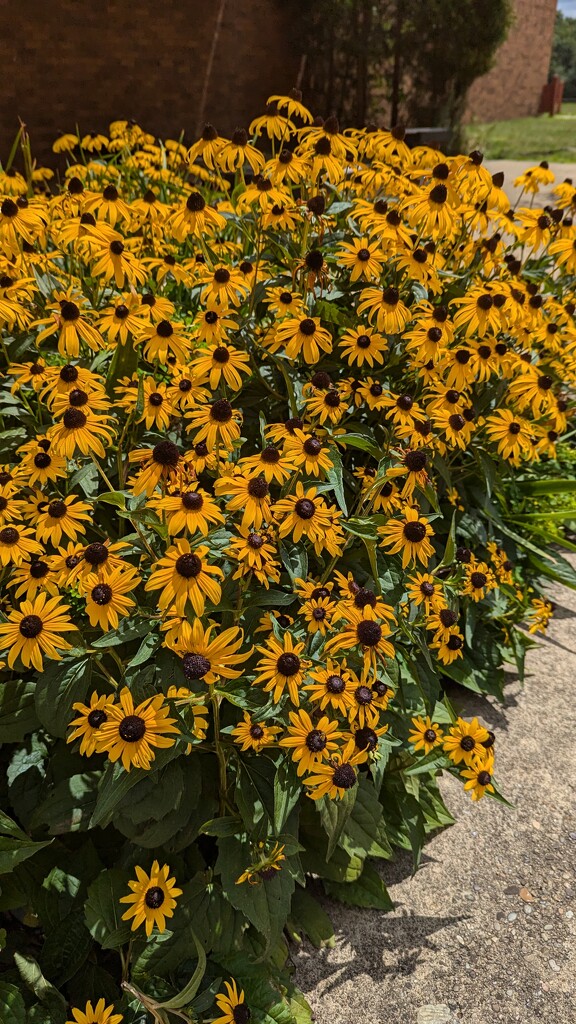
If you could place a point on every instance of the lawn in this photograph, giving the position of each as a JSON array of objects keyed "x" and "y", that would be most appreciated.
[{"x": 527, "y": 138}]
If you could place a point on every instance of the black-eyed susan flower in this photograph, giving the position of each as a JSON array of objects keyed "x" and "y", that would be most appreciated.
[
  {"x": 204, "y": 656},
  {"x": 425, "y": 735},
  {"x": 32, "y": 576},
  {"x": 232, "y": 1005},
  {"x": 479, "y": 778},
  {"x": 511, "y": 432},
  {"x": 35, "y": 629},
  {"x": 184, "y": 574},
  {"x": 252, "y": 735},
  {"x": 99, "y": 1013},
  {"x": 131, "y": 734},
  {"x": 262, "y": 869},
  {"x": 479, "y": 580},
  {"x": 363, "y": 630},
  {"x": 427, "y": 590},
  {"x": 386, "y": 307},
  {"x": 86, "y": 727},
  {"x": 363, "y": 345},
  {"x": 310, "y": 742},
  {"x": 62, "y": 517},
  {"x": 464, "y": 741},
  {"x": 250, "y": 494},
  {"x": 191, "y": 509},
  {"x": 222, "y": 362},
  {"x": 409, "y": 535},
  {"x": 153, "y": 898},
  {"x": 217, "y": 422},
  {"x": 335, "y": 777},
  {"x": 303, "y": 337},
  {"x": 106, "y": 599},
  {"x": 333, "y": 686},
  {"x": 281, "y": 668}
]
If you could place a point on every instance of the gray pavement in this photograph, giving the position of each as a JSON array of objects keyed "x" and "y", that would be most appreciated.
[{"x": 485, "y": 931}]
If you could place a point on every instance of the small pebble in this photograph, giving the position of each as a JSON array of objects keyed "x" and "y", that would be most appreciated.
[
  {"x": 572, "y": 836},
  {"x": 554, "y": 966},
  {"x": 512, "y": 917},
  {"x": 548, "y": 927},
  {"x": 527, "y": 910}
]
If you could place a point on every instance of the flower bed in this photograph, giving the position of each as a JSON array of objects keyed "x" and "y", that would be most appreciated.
[{"x": 275, "y": 411}]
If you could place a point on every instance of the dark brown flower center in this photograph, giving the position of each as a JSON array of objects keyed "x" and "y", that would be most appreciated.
[
  {"x": 97, "y": 718},
  {"x": 188, "y": 566},
  {"x": 335, "y": 684},
  {"x": 447, "y": 617},
  {"x": 195, "y": 203},
  {"x": 305, "y": 508},
  {"x": 363, "y": 695},
  {"x": 192, "y": 501},
  {"x": 430, "y": 735},
  {"x": 132, "y": 728},
  {"x": 31, "y": 626},
  {"x": 195, "y": 666},
  {"x": 102, "y": 593},
  {"x": 316, "y": 741},
  {"x": 96, "y": 553},
  {"x": 221, "y": 411},
  {"x": 288, "y": 664},
  {"x": 369, "y": 633},
  {"x": 74, "y": 419},
  {"x": 165, "y": 453},
  {"x": 57, "y": 509},
  {"x": 478, "y": 580},
  {"x": 414, "y": 532},
  {"x": 344, "y": 776},
  {"x": 154, "y": 897},
  {"x": 307, "y": 327},
  {"x": 467, "y": 743}
]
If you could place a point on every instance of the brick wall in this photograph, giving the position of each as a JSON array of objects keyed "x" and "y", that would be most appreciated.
[
  {"x": 512, "y": 88},
  {"x": 94, "y": 61}
]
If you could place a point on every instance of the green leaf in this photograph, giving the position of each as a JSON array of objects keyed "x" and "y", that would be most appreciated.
[
  {"x": 69, "y": 805},
  {"x": 12, "y": 1009},
  {"x": 287, "y": 792},
  {"x": 103, "y": 910},
  {"x": 294, "y": 558},
  {"x": 362, "y": 833},
  {"x": 117, "y": 498},
  {"x": 15, "y": 845},
  {"x": 334, "y": 814},
  {"x": 367, "y": 891},
  {"x": 17, "y": 711},
  {"x": 66, "y": 947},
  {"x": 224, "y": 826},
  {"x": 127, "y": 630},
  {"x": 115, "y": 783},
  {"x": 186, "y": 995},
  {"x": 365, "y": 527},
  {"x": 308, "y": 918},
  {"x": 550, "y": 485},
  {"x": 34, "y": 980},
  {"x": 58, "y": 688},
  {"x": 266, "y": 904},
  {"x": 335, "y": 478},
  {"x": 364, "y": 443}
]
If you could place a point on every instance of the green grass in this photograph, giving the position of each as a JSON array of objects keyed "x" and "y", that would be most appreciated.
[{"x": 527, "y": 138}]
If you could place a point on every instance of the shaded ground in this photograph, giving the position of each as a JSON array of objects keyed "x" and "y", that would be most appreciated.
[{"x": 485, "y": 932}]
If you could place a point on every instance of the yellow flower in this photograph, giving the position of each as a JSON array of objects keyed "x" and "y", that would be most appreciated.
[
  {"x": 153, "y": 898},
  {"x": 130, "y": 733}
]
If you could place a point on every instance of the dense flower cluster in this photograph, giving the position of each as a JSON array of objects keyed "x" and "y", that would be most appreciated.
[{"x": 268, "y": 400}]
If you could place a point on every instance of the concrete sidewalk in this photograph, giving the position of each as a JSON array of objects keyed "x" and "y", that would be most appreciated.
[
  {"x": 514, "y": 168},
  {"x": 484, "y": 932}
]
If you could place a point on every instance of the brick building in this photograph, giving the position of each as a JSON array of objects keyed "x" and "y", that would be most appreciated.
[
  {"x": 94, "y": 61},
  {"x": 513, "y": 87}
]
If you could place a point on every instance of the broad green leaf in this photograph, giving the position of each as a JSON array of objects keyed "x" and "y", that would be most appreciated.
[
  {"x": 308, "y": 918},
  {"x": 15, "y": 845},
  {"x": 17, "y": 712},
  {"x": 34, "y": 980},
  {"x": 364, "y": 443},
  {"x": 103, "y": 910},
  {"x": 265, "y": 904},
  {"x": 287, "y": 792},
  {"x": 334, "y": 814},
  {"x": 60, "y": 686},
  {"x": 69, "y": 805},
  {"x": 12, "y": 1009},
  {"x": 335, "y": 478},
  {"x": 294, "y": 558},
  {"x": 367, "y": 891}
]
